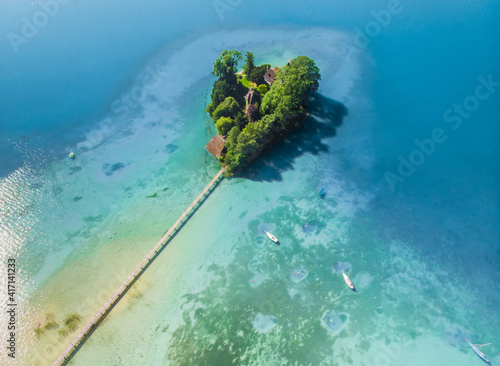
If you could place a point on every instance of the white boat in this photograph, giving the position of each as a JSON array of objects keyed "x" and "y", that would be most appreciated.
[
  {"x": 271, "y": 236},
  {"x": 349, "y": 282},
  {"x": 476, "y": 349}
]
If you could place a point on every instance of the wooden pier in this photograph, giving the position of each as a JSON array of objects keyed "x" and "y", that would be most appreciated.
[{"x": 134, "y": 275}]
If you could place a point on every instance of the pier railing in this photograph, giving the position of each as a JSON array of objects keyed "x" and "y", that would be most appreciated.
[{"x": 134, "y": 275}]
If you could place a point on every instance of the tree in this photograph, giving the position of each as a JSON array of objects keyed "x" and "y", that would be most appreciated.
[
  {"x": 257, "y": 74},
  {"x": 258, "y": 130},
  {"x": 247, "y": 142},
  {"x": 269, "y": 120},
  {"x": 272, "y": 98},
  {"x": 307, "y": 71},
  {"x": 224, "y": 88},
  {"x": 262, "y": 89},
  {"x": 249, "y": 63},
  {"x": 232, "y": 138},
  {"x": 240, "y": 120},
  {"x": 226, "y": 65},
  {"x": 253, "y": 112},
  {"x": 228, "y": 108},
  {"x": 224, "y": 124},
  {"x": 234, "y": 160}
]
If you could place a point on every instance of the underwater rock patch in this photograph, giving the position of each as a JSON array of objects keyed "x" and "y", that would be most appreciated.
[
  {"x": 109, "y": 169},
  {"x": 170, "y": 148}
]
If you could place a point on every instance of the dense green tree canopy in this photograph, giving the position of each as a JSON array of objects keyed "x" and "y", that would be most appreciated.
[
  {"x": 253, "y": 112},
  {"x": 232, "y": 138},
  {"x": 307, "y": 71},
  {"x": 282, "y": 107},
  {"x": 224, "y": 125},
  {"x": 257, "y": 74},
  {"x": 228, "y": 108},
  {"x": 226, "y": 65},
  {"x": 249, "y": 63}
]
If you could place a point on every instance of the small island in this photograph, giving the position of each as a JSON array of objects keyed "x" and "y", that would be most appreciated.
[{"x": 255, "y": 107}]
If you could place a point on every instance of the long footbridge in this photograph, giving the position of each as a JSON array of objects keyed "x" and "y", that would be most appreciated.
[{"x": 135, "y": 274}]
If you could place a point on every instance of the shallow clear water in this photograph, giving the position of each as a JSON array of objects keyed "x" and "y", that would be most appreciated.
[{"x": 423, "y": 249}]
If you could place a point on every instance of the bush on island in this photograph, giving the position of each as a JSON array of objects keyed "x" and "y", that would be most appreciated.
[
  {"x": 262, "y": 89},
  {"x": 228, "y": 108},
  {"x": 224, "y": 125}
]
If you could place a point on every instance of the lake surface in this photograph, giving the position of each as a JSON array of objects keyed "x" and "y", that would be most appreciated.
[{"x": 403, "y": 135}]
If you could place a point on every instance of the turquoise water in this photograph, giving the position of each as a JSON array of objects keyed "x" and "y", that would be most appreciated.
[{"x": 423, "y": 249}]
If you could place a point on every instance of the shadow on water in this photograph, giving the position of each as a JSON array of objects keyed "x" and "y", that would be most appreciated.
[{"x": 325, "y": 115}]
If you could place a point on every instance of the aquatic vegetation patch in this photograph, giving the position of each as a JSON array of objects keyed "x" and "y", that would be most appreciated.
[
  {"x": 74, "y": 169},
  {"x": 456, "y": 336},
  {"x": 237, "y": 313},
  {"x": 109, "y": 169},
  {"x": 170, "y": 148},
  {"x": 48, "y": 324},
  {"x": 71, "y": 321}
]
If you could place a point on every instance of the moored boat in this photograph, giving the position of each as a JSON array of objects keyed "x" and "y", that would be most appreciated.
[
  {"x": 476, "y": 349},
  {"x": 348, "y": 281},
  {"x": 271, "y": 236},
  {"x": 322, "y": 191}
]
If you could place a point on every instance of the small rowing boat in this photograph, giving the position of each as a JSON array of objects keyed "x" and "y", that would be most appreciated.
[
  {"x": 348, "y": 281},
  {"x": 322, "y": 191},
  {"x": 271, "y": 236},
  {"x": 476, "y": 349}
]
